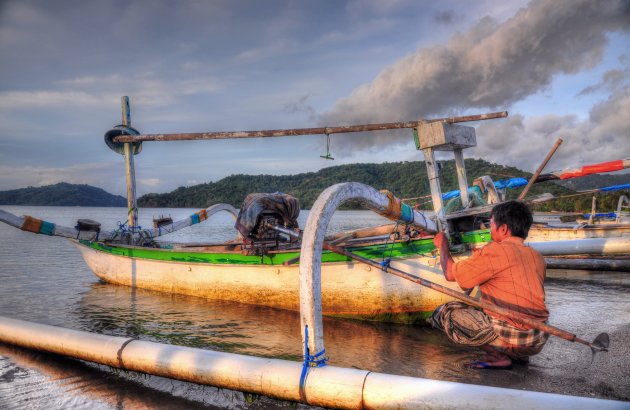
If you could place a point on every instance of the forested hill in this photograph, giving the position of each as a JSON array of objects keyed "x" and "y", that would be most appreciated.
[
  {"x": 404, "y": 179},
  {"x": 61, "y": 194}
]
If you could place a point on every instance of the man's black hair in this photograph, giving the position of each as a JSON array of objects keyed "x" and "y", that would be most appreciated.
[{"x": 516, "y": 215}]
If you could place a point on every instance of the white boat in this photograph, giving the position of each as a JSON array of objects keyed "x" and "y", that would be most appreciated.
[{"x": 349, "y": 289}]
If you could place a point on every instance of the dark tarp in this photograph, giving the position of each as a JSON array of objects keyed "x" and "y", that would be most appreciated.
[{"x": 285, "y": 207}]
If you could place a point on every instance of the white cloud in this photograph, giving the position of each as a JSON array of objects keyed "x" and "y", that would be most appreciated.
[
  {"x": 147, "y": 90},
  {"x": 109, "y": 80},
  {"x": 16, "y": 100},
  {"x": 489, "y": 66},
  {"x": 524, "y": 142},
  {"x": 150, "y": 182}
]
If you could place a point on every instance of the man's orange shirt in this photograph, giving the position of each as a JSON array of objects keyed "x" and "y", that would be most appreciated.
[{"x": 509, "y": 275}]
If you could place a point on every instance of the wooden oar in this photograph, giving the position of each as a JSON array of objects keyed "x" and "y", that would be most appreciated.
[{"x": 600, "y": 343}]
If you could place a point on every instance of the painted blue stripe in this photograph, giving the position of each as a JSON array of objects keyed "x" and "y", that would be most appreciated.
[
  {"x": 47, "y": 228},
  {"x": 406, "y": 213},
  {"x": 615, "y": 187}
]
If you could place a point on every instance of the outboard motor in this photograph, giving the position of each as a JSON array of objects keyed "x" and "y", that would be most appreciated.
[{"x": 259, "y": 213}]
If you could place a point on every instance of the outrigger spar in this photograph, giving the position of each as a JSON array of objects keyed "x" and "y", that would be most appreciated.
[
  {"x": 430, "y": 135},
  {"x": 303, "y": 131}
]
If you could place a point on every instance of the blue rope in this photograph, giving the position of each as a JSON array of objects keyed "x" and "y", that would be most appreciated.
[
  {"x": 386, "y": 261},
  {"x": 316, "y": 360},
  {"x": 123, "y": 229}
]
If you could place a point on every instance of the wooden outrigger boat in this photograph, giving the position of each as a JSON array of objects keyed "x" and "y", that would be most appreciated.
[
  {"x": 261, "y": 265},
  {"x": 224, "y": 273},
  {"x": 264, "y": 272}
]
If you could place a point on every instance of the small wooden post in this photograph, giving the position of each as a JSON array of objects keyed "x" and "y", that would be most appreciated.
[
  {"x": 591, "y": 218},
  {"x": 130, "y": 173},
  {"x": 539, "y": 170},
  {"x": 436, "y": 191},
  {"x": 461, "y": 176}
]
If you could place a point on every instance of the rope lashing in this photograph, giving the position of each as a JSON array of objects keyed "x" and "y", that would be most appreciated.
[
  {"x": 35, "y": 225},
  {"x": 385, "y": 264},
  {"x": 316, "y": 360},
  {"x": 123, "y": 228},
  {"x": 406, "y": 213},
  {"x": 198, "y": 217},
  {"x": 396, "y": 209},
  {"x": 133, "y": 235}
]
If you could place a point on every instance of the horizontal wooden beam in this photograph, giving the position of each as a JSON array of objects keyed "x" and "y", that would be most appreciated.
[{"x": 302, "y": 131}]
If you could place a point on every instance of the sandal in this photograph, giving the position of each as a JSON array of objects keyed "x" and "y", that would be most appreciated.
[{"x": 490, "y": 365}]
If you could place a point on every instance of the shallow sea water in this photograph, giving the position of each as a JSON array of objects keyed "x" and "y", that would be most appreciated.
[{"x": 44, "y": 279}]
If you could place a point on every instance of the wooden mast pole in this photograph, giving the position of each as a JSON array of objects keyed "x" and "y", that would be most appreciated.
[
  {"x": 539, "y": 170},
  {"x": 130, "y": 173},
  {"x": 436, "y": 191},
  {"x": 461, "y": 176}
]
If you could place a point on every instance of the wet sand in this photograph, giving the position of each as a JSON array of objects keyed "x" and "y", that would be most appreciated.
[{"x": 565, "y": 368}]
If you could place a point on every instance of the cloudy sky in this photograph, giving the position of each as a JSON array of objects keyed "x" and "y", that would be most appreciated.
[{"x": 561, "y": 68}]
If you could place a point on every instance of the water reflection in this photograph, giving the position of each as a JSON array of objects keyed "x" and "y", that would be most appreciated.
[{"x": 261, "y": 331}]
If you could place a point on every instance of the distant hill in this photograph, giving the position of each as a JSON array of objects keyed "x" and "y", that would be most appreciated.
[
  {"x": 404, "y": 179},
  {"x": 61, "y": 194}
]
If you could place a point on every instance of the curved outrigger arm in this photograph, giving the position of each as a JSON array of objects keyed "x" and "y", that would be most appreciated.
[
  {"x": 31, "y": 224},
  {"x": 381, "y": 202}
]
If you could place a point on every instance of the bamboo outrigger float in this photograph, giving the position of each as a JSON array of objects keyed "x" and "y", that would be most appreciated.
[{"x": 330, "y": 386}]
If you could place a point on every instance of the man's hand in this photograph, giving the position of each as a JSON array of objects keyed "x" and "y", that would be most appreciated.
[{"x": 439, "y": 240}]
